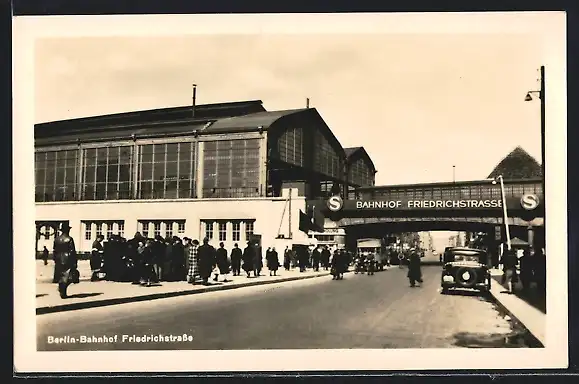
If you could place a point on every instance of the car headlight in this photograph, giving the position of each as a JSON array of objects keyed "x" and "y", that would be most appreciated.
[{"x": 448, "y": 279}]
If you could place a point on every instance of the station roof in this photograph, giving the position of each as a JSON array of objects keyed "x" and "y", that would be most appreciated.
[
  {"x": 154, "y": 118},
  {"x": 352, "y": 151},
  {"x": 250, "y": 122}
]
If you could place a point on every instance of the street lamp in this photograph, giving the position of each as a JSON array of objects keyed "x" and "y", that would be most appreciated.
[
  {"x": 505, "y": 216},
  {"x": 541, "y": 95}
]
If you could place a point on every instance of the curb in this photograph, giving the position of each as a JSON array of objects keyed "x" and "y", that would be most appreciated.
[
  {"x": 534, "y": 340},
  {"x": 154, "y": 296}
]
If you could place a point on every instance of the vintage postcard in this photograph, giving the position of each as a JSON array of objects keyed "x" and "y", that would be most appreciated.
[{"x": 290, "y": 192}]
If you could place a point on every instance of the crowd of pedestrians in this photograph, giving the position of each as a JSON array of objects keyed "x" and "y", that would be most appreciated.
[
  {"x": 148, "y": 261},
  {"x": 528, "y": 268}
]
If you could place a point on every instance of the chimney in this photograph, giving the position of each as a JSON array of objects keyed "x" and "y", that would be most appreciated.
[
  {"x": 194, "y": 97},
  {"x": 308, "y": 102}
]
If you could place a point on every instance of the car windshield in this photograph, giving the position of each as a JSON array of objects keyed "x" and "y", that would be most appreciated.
[{"x": 466, "y": 258}]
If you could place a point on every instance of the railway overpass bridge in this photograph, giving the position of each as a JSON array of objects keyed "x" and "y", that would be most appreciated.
[{"x": 472, "y": 206}]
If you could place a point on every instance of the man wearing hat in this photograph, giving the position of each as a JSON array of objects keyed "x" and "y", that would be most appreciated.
[
  {"x": 65, "y": 259},
  {"x": 206, "y": 255},
  {"x": 414, "y": 270}
]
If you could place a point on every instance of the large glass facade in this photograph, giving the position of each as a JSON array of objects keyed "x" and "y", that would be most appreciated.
[
  {"x": 231, "y": 168},
  {"x": 290, "y": 147},
  {"x": 360, "y": 174},
  {"x": 167, "y": 171},
  {"x": 56, "y": 175},
  {"x": 326, "y": 159},
  {"x": 107, "y": 173}
]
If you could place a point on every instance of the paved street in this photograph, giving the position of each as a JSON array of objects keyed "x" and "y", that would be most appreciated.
[{"x": 361, "y": 311}]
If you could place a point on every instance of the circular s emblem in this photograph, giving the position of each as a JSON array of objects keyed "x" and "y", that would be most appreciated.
[
  {"x": 529, "y": 201},
  {"x": 335, "y": 203}
]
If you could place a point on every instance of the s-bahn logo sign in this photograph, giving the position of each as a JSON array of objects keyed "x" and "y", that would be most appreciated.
[
  {"x": 335, "y": 203},
  {"x": 529, "y": 201}
]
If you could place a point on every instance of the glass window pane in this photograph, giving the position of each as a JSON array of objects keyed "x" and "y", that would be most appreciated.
[
  {"x": 70, "y": 175},
  {"x": 171, "y": 171},
  {"x": 88, "y": 192},
  {"x": 89, "y": 174},
  {"x": 146, "y": 171},
  {"x": 90, "y": 157},
  {"x": 100, "y": 191},
  {"x": 125, "y": 173},
  {"x": 159, "y": 171},
  {"x": 171, "y": 190},
  {"x": 113, "y": 173},
  {"x": 114, "y": 155},
  {"x": 102, "y": 154},
  {"x": 172, "y": 152},
  {"x": 146, "y": 190},
  {"x": 158, "y": 192},
  {"x": 184, "y": 168}
]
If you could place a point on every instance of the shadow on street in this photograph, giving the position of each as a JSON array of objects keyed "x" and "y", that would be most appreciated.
[
  {"x": 531, "y": 296},
  {"x": 82, "y": 295},
  {"x": 516, "y": 339},
  {"x": 467, "y": 293}
]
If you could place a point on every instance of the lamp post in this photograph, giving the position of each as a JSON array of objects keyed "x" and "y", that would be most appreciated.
[
  {"x": 529, "y": 97},
  {"x": 505, "y": 216}
]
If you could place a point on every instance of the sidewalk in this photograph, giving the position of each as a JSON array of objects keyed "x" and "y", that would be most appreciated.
[
  {"x": 88, "y": 294},
  {"x": 523, "y": 309}
]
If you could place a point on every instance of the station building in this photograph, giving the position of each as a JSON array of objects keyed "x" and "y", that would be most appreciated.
[{"x": 228, "y": 171}]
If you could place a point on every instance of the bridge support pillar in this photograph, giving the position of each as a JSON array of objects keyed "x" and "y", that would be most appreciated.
[{"x": 531, "y": 239}]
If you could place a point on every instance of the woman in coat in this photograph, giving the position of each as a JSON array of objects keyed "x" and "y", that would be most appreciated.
[
  {"x": 222, "y": 262},
  {"x": 414, "y": 270},
  {"x": 272, "y": 261},
  {"x": 248, "y": 259}
]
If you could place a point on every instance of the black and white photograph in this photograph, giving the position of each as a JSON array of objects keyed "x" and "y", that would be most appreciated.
[{"x": 290, "y": 192}]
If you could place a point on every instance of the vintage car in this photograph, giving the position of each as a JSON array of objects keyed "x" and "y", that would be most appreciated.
[{"x": 465, "y": 268}]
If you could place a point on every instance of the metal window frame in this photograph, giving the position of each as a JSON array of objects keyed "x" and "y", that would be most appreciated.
[
  {"x": 238, "y": 231},
  {"x": 222, "y": 229}
]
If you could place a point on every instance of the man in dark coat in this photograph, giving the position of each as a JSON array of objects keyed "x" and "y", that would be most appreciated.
[
  {"x": 222, "y": 262},
  {"x": 248, "y": 259},
  {"x": 325, "y": 258},
  {"x": 45, "y": 255},
  {"x": 65, "y": 259},
  {"x": 96, "y": 257},
  {"x": 272, "y": 261},
  {"x": 135, "y": 257},
  {"x": 236, "y": 260},
  {"x": 509, "y": 262},
  {"x": 526, "y": 266},
  {"x": 257, "y": 261},
  {"x": 158, "y": 257},
  {"x": 168, "y": 260},
  {"x": 339, "y": 265},
  {"x": 206, "y": 254},
  {"x": 316, "y": 258},
  {"x": 303, "y": 257},
  {"x": 177, "y": 260},
  {"x": 414, "y": 270},
  {"x": 287, "y": 258}
]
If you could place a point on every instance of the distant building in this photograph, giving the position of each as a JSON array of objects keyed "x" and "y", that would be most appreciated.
[{"x": 518, "y": 164}]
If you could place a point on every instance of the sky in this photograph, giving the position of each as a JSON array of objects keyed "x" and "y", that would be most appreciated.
[{"x": 418, "y": 103}]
